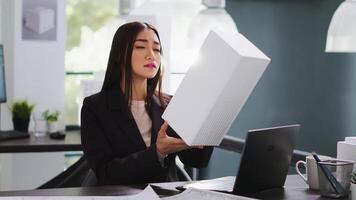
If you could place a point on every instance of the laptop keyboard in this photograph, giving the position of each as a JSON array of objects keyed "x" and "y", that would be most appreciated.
[{"x": 12, "y": 134}]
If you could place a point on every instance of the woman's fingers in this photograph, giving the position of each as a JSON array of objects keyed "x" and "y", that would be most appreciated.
[
  {"x": 164, "y": 126},
  {"x": 181, "y": 145},
  {"x": 162, "y": 131},
  {"x": 175, "y": 144},
  {"x": 168, "y": 145}
]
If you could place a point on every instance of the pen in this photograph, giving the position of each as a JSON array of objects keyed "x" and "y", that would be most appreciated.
[{"x": 331, "y": 178}]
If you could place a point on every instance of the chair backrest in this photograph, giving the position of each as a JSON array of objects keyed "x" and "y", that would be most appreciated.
[
  {"x": 80, "y": 174},
  {"x": 182, "y": 174},
  {"x": 90, "y": 179},
  {"x": 71, "y": 177}
]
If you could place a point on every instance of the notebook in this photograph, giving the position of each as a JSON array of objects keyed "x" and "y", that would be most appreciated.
[{"x": 12, "y": 135}]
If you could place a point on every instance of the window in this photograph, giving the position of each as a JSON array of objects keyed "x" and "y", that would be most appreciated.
[
  {"x": 90, "y": 35},
  {"x": 87, "y": 48}
]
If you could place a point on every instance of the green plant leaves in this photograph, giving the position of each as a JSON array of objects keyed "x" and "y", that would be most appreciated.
[
  {"x": 21, "y": 109},
  {"x": 50, "y": 116}
]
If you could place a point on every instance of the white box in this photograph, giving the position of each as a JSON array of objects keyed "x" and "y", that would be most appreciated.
[
  {"x": 351, "y": 140},
  {"x": 215, "y": 88},
  {"x": 39, "y": 19},
  {"x": 347, "y": 151}
]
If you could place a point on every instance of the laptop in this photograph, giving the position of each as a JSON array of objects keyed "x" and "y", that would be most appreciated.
[{"x": 264, "y": 163}]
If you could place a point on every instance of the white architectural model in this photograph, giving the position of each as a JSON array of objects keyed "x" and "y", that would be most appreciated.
[{"x": 215, "y": 88}]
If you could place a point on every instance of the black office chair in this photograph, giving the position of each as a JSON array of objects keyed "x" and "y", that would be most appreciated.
[
  {"x": 80, "y": 175},
  {"x": 183, "y": 174},
  {"x": 89, "y": 179},
  {"x": 71, "y": 177}
]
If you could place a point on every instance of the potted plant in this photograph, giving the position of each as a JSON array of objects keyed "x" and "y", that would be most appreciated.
[
  {"x": 21, "y": 112},
  {"x": 353, "y": 186},
  {"x": 52, "y": 120}
]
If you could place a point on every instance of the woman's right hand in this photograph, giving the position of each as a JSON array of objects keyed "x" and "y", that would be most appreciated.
[{"x": 166, "y": 145}]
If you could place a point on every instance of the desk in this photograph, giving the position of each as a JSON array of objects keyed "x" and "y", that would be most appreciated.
[
  {"x": 24, "y": 171},
  {"x": 71, "y": 142},
  {"x": 295, "y": 189}
]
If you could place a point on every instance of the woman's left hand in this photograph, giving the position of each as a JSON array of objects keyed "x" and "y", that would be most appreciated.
[{"x": 166, "y": 144}]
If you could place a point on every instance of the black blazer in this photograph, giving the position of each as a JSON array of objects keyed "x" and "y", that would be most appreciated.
[{"x": 115, "y": 150}]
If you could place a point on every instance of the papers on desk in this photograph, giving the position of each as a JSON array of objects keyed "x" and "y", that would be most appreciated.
[
  {"x": 346, "y": 150},
  {"x": 147, "y": 194},
  {"x": 218, "y": 184},
  {"x": 215, "y": 88},
  {"x": 205, "y": 195}
]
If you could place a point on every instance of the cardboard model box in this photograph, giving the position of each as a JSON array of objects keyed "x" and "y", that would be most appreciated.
[{"x": 215, "y": 88}]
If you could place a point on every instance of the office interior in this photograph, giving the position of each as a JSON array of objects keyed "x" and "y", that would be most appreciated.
[{"x": 303, "y": 84}]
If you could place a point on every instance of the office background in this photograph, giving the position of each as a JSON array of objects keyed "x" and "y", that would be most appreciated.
[{"x": 302, "y": 84}]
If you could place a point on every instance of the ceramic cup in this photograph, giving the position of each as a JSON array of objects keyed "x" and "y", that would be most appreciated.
[{"x": 311, "y": 178}]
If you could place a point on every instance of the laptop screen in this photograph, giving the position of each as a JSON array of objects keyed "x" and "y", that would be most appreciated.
[
  {"x": 264, "y": 163},
  {"x": 265, "y": 159}
]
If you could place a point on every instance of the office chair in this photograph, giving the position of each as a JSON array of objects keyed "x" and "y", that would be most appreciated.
[
  {"x": 89, "y": 179},
  {"x": 80, "y": 175},
  {"x": 71, "y": 177}
]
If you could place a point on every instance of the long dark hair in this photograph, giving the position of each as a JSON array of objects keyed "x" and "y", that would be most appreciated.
[{"x": 119, "y": 68}]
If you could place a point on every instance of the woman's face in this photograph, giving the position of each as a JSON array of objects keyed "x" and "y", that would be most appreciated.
[{"x": 146, "y": 56}]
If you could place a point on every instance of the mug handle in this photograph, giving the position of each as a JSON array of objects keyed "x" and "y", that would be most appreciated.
[{"x": 297, "y": 169}]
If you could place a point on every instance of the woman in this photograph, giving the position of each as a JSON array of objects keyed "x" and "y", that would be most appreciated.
[{"x": 124, "y": 138}]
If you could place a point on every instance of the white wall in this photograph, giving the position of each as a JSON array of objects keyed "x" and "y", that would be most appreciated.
[
  {"x": 0, "y": 22},
  {"x": 7, "y": 38},
  {"x": 34, "y": 71},
  {"x": 39, "y": 65}
]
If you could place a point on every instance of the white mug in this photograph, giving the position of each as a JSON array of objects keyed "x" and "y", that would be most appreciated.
[{"x": 311, "y": 178}]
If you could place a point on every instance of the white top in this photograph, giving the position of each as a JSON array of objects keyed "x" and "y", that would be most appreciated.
[{"x": 143, "y": 120}]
